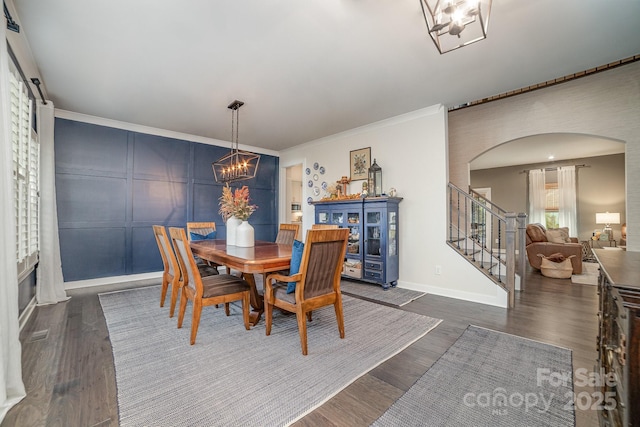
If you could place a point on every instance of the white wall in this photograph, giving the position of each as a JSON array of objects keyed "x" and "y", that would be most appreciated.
[
  {"x": 412, "y": 151},
  {"x": 605, "y": 104}
]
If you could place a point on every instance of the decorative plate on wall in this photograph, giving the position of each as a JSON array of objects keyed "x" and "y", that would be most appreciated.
[
  {"x": 324, "y": 185},
  {"x": 316, "y": 166},
  {"x": 310, "y": 184},
  {"x": 321, "y": 170},
  {"x": 308, "y": 171},
  {"x": 316, "y": 191},
  {"x": 309, "y": 200},
  {"x": 315, "y": 177}
]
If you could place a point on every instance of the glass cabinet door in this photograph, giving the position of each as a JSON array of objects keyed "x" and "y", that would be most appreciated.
[
  {"x": 353, "y": 223},
  {"x": 323, "y": 217},
  {"x": 337, "y": 218},
  {"x": 373, "y": 234},
  {"x": 392, "y": 241}
]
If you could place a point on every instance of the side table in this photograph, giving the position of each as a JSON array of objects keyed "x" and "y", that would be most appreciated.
[
  {"x": 599, "y": 244},
  {"x": 587, "y": 253}
]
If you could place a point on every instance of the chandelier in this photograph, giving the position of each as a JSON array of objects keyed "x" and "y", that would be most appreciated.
[
  {"x": 456, "y": 23},
  {"x": 238, "y": 165}
]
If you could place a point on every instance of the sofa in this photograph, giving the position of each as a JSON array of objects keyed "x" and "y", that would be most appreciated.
[{"x": 552, "y": 241}]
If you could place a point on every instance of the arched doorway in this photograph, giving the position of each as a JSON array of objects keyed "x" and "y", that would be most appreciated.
[{"x": 600, "y": 176}]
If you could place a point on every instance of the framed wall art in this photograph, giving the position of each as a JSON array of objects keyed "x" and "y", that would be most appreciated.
[{"x": 360, "y": 160}]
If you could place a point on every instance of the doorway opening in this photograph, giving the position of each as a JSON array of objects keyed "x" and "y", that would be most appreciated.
[{"x": 293, "y": 195}]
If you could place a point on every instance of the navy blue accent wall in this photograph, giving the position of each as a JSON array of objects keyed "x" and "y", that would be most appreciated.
[{"x": 112, "y": 185}]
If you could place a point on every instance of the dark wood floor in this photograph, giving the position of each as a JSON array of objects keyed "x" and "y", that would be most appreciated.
[{"x": 69, "y": 374}]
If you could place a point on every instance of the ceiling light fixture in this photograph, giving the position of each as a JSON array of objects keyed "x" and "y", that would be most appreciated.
[
  {"x": 457, "y": 23},
  {"x": 238, "y": 165}
]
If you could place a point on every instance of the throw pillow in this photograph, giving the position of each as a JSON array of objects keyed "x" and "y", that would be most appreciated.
[
  {"x": 296, "y": 259},
  {"x": 536, "y": 233},
  {"x": 198, "y": 236},
  {"x": 558, "y": 235}
]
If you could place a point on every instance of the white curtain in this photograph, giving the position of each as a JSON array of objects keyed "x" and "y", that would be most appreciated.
[
  {"x": 567, "y": 216},
  {"x": 537, "y": 197},
  {"x": 11, "y": 386},
  {"x": 50, "y": 283}
]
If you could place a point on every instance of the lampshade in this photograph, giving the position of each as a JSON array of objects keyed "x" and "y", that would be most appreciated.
[
  {"x": 456, "y": 23},
  {"x": 238, "y": 165},
  {"x": 608, "y": 218}
]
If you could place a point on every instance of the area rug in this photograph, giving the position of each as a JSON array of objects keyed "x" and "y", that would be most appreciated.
[
  {"x": 393, "y": 296},
  {"x": 589, "y": 276},
  {"x": 489, "y": 378},
  {"x": 232, "y": 376}
]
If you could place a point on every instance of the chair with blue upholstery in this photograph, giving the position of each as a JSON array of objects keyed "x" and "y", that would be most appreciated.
[
  {"x": 316, "y": 284},
  {"x": 203, "y": 231}
]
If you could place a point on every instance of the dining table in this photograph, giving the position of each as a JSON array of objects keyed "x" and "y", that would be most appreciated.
[{"x": 262, "y": 258}]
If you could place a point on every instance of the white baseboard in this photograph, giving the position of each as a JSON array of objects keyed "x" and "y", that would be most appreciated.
[
  {"x": 26, "y": 313},
  {"x": 500, "y": 299},
  {"x": 78, "y": 284}
]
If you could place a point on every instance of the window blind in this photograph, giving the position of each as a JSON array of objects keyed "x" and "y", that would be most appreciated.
[{"x": 26, "y": 166}]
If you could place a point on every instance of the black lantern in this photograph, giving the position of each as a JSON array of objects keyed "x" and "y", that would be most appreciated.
[{"x": 375, "y": 179}]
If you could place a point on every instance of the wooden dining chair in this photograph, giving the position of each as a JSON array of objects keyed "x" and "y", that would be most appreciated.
[
  {"x": 324, "y": 226},
  {"x": 202, "y": 231},
  {"x": 205, "y": 291},
  {"x": 287, "y": 233},
  {"x": 317, "y": 283},
  {"x": 171, "y": 273}
]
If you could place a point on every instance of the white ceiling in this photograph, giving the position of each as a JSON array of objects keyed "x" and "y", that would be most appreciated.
[
  {"x": 304, "y": 68},
  {"x": 546, "y": 148}
]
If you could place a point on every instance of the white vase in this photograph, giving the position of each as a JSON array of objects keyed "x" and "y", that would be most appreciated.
[
  {"x": 245, "y": 235},
  {"x": 232, "y": 227}
]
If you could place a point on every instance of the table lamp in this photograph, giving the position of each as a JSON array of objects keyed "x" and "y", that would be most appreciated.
[{"x": 607, "y": 219}]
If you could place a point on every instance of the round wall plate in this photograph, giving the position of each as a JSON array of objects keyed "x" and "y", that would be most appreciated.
[{"x": 308, "y": 171}]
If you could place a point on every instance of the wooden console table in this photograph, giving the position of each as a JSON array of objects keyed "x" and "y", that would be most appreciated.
[{"x": 618, "y": 342}]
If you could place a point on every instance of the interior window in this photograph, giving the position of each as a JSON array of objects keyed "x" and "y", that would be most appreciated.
[{"x": 551, "y": 206}]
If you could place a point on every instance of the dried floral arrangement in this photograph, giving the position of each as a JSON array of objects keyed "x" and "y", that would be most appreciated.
[{"x": 236, "y": 203}]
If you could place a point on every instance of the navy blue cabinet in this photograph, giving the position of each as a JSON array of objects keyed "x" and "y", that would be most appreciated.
[{"x": 373, "y": 247}]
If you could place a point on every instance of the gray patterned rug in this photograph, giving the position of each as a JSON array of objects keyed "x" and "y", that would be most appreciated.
[
  {"x": 236, "y": 377},
  {"x": 489, "y": 378},
  {"x": 373, "y": 292}
]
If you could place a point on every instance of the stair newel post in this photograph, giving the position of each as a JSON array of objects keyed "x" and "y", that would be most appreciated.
[
  {"x": 522, "y": 242},
  {"x": 510, "y": 232}
]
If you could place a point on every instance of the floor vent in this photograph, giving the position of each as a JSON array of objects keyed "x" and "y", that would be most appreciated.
[{"x": 39, "y": 335}]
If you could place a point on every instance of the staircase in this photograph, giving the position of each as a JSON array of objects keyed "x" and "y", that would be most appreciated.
[{"x": 488, "y": 237}]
